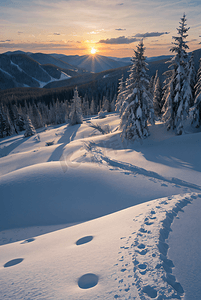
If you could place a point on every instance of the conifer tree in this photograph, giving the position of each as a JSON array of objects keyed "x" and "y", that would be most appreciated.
[
  {"x": 35, "y": 116},
  {"x": 30, "y": 130},
  {"x": 138, "y": 109},
  {"x": 105, "y": 104},
  {"x": 92, "y": 107},
  {"x": 76, "y": 109},
  {"x": 192, "y": 78},
  {"x": 177, "y": 89},
  {"x": 120, "y": 94},
  {"x": 157, "y": 98},
  {"x": 6, "y": 128},
  {"x": 196, "y": 109}
]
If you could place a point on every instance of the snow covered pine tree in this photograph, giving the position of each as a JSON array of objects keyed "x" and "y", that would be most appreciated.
[
  {"x": 30, "y": 130},
  {"x": 177, "y": 90},
  {"x": 120, "y": 94},
  {"x": 138, "y": 104},
  {"x": 76, "y": 109},
  {"x": 196, "y": 109}
]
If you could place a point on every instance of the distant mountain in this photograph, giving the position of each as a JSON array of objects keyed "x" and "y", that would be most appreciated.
[
  {"x": 44, "y": 59},
  {"x": 158, "y": 58},
  {"x": 92, "y": 63},
  {"x": 20, "y": 70}
]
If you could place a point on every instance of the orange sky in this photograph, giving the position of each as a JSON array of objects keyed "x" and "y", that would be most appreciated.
[{"x": 111, "y": 27}]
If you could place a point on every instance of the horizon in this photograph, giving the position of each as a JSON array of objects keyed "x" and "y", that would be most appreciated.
[{"x": 110, "y": 28}]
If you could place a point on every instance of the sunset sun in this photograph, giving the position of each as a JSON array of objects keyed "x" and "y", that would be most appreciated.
[{"x": 93, "y": 51}]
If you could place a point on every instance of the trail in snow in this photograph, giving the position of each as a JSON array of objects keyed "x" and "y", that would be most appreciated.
[
  {"x": 143, "y": 254},
  {"x": 97, "y": 156}
]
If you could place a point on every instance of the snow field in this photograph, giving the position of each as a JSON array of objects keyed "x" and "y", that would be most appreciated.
[
  {"x": 139, "y": 266},
  {"x": 122, "y": 248}
]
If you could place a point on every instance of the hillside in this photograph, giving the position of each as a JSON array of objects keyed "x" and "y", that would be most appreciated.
[
  {"x": 137, "y": 205},
  {"x": 20, "y": 70}
]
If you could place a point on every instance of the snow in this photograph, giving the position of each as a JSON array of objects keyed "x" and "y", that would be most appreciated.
[
  {"x": 63, "y": 76},
  {"x": 92, "y": 217}
]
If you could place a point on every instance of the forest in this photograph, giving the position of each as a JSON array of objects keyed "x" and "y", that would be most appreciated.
[{"x": 138, "y": 98}]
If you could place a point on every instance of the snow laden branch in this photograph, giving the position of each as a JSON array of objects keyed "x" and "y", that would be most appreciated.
[{"x": 137, "y": 108}]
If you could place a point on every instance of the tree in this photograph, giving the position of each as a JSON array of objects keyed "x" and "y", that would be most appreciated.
[
  {"x": 196, "y": 109},
  {"x": 120, "y": 94},
  {"x": 92, "y": 107},
  {"x": 6, "y": 128},
  {"x": 138, "y": 104},
  {"x": 177, "y": 89},
  {"x": 76, "y": 109},
  {"x": 192, "y": 78},
  {"x": 157, "y": 98},
  {"x": 105, "y": 104},
  {"x": 30, "y": 130}
]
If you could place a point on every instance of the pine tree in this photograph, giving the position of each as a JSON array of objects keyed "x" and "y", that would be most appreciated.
[
  {"x": 30, "y": 130},
  {"x": 177, "y": 89},
  {"x": 76, "y": 109},
  {"x": 196, "y": 109},
  {"x": 35, "y": 116},
  {"x": 6, "y": 127},
  {"x": 92, "y": 107},
  {"x": 138, "y": 104},
  {"x": 157, "y": 98},
  {"x": 85, "y": 106},
  {"x": 105, "y": 104},
  {"x": 120, "y": 94},
  {"x": 113, "y": 104},
  {"x": 192, "y": 78}
]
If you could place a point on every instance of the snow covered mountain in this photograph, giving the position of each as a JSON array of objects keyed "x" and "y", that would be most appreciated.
[
  {"x": 94, "y": 63},
  {"x": 140, "y": 204},
  {"x": 20, "y": 70}
]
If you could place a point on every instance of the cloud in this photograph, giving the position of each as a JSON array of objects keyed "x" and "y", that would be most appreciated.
[
  {"x": 38, "y": 46},
  {"x": 119, "y": 40},
  {"x": 150, "y": 34},
  {"x": 120, "y": 3},
  {"x": 55, "y": 33},
  {"x": 20, "y": 32},
  {"x": 5, "y": 41},
  {"x": 120, "y": 29}
]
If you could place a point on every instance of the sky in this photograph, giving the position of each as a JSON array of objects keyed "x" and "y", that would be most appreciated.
[{"x": 110, "y": 27}]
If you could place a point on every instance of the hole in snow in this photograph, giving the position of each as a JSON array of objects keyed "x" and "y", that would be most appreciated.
[
  {"x": 13, "y": 262},
  {"x": 28, "y": 241},
  {"x": 88, "y": 281},
  {"x": 84, "y": 240}
]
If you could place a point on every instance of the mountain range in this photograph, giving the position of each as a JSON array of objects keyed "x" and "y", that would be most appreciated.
[{"x": 26, "y": 69}]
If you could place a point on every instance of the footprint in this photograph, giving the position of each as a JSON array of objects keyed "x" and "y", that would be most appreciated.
[
  {"x": 123, "y": 270},
  {"x": 150, "y": 291},
  {"x": 148, "y": 223},
  {"x": 143, "y": 230},
  {"x": 142, "y": 268},
  {"x": 28, "y": 241},
  {"x": 143, "y": 252},
  {"x": 84, "y": 240},
  {"x": 13, "y": 262},
  {"x": 88, "y": 281},
  {"x": 141, "y": 246}
]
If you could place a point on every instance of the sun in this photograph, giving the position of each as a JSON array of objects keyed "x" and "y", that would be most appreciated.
[{"x": 93, "y": 51}]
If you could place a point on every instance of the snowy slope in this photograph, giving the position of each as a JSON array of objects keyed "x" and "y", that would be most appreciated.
[{"x": 129, "y": 196}]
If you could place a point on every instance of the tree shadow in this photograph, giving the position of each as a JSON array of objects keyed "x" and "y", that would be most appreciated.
[
  {"x": 67, "y": 137},
  {"x": 8, "y": 149}
]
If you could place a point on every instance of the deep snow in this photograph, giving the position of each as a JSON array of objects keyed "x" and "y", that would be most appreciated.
[{"x": 130, "y": 196}]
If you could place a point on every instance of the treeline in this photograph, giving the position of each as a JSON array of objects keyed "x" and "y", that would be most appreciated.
[{"x": 14, "y": 117}]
